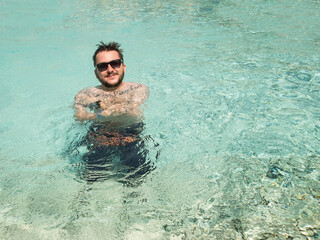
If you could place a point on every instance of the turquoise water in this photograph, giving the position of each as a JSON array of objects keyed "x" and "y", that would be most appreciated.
[{"x": 234, "y": 109}]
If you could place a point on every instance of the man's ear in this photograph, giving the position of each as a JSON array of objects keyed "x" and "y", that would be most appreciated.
[
  {"x": 124, "y": 68},
  {"x": 95, "y": 72}
]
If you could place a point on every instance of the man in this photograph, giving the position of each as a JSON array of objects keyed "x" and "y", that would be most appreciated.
[
  {"x": 116, "y": 120},
  {"x": 113, "y": 97}
]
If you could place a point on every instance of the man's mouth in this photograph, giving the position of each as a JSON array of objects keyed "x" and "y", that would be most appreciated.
[{"x": 111, "y": 76}]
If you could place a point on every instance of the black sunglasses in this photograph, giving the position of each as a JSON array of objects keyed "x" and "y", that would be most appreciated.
[{"x": 104, "y": 65}]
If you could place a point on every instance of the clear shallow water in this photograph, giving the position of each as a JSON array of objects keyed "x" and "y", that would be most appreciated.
[{"x": 234, "y": 107}]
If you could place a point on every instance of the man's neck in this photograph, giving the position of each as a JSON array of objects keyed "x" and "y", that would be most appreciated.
[{"x": 112, "y": 89}]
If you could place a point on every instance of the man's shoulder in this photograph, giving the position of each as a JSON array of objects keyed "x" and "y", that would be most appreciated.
[
  {"x": 136, "y": 86},
  {"x": 87, "y": 95},
  {"x": 139, "y": 91}
]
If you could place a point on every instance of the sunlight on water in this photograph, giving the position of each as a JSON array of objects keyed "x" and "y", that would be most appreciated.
[{"x": 230, "y": 134}]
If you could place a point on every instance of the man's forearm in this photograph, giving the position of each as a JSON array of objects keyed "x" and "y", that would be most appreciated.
[
  {"x": 116, "y": 110},
  {"x": 84, "y": 116}
]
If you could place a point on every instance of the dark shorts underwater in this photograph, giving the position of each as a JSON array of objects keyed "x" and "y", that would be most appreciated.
[{"x": 119, "y": 154}]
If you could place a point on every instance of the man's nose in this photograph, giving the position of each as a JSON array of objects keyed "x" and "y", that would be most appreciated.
[{"x": 110, "y": 69}]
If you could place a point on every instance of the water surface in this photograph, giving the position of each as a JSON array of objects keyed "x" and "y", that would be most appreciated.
[{"x": 233, "y": 111}]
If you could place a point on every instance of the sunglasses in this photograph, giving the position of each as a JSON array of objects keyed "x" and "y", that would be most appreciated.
[{"x": 104, "y": 65}]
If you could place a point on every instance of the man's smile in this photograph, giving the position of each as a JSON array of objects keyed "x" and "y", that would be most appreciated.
[{"x": 112, "y": 75}]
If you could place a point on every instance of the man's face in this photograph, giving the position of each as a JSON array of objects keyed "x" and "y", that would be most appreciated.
[{"x": 109, "y": 77}]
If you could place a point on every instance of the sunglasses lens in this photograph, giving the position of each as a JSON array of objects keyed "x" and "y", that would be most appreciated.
[
  {"x": 115, "y": 63},
  {"x": 104, "y": 66}
]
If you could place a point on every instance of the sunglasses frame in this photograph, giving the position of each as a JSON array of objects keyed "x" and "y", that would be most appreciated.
[{"x": 114, "y": 64}]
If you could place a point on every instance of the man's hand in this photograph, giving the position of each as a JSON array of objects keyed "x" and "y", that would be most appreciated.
[{"x": 103, "y": 106}]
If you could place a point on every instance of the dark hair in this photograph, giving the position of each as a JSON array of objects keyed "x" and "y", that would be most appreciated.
[{"x": 111, "y": 46}]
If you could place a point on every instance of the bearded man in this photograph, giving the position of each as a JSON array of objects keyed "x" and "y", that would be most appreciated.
[
  {"x": 114, "y": 142},
  {"x": 113, "y": 97}
]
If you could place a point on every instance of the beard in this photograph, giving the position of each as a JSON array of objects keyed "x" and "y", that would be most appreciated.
[{"x": 113, "y": 85}]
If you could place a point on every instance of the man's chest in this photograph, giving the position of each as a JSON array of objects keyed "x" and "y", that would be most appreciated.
[{"x": 117, "y": 97}]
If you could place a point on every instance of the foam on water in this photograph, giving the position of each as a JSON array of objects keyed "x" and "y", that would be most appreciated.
[{"x": 232, "y": 123}]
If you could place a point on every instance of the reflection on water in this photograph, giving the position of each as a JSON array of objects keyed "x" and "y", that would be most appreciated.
[{"x": 99, "y": 11}]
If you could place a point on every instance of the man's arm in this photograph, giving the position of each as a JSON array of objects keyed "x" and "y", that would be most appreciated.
[{"x": 82, "y": 101}]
